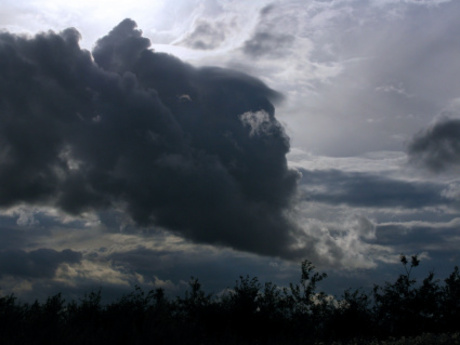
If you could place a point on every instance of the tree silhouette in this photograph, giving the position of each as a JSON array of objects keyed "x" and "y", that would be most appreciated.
[{"x": 248, "y": 313}]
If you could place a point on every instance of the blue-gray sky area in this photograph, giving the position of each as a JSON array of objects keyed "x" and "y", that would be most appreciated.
[{"x": 142, "y": 143}]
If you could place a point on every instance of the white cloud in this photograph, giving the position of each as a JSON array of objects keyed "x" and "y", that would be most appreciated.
[
  {"x": 259, "y": 122},
  {"x": 93, "y": 272}
]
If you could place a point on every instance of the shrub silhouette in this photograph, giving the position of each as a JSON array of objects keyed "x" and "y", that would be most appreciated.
[
  {"x": 248, "y": 313},
  {"x": 353, "y": 316}
]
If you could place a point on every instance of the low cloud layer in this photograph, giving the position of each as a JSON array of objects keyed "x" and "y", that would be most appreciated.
[
  {"x": 40, "y": 263},
  {"x": 197, "y": 151},
  {"x": 359, "y": 189}
]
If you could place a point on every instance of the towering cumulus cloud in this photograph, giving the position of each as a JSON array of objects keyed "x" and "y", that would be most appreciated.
[{"x": 196, "y": 151}]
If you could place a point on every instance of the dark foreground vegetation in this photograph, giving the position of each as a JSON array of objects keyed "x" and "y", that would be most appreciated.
[{"x": 402, "y": 312}]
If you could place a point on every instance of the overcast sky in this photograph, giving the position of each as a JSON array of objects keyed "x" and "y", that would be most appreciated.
[{"x": 144, "y": 143}]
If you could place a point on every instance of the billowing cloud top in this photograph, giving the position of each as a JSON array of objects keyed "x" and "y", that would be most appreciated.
[{"x": 197, "y": 151}]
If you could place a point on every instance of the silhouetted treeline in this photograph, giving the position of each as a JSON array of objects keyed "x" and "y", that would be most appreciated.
[{"x": 250, "y": 313}]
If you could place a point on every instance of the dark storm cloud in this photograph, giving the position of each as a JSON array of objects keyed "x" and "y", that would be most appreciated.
[
  {"x": 365, "y": 190},
  {"x": 40, "y": 263},
  {"x": 198, "y": 151},
  {"x": 205, "y": 36},
  {"x": 437, "y": 147}
]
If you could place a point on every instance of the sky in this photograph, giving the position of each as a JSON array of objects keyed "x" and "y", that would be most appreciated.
[{"x": 144, "y": 143}]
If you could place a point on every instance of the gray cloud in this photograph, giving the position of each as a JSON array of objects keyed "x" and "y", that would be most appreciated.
[
  {"x": 367, "y": 190},
  {"x": 266, "y": 43},
  {"x": 267, "y": 40},
  {"x": 143, "y": 132},
  {"x": 438, "y": 241},
  {"x": 387, "y": 69},
  {"x": 437, "y": 147},
  {"x": 40, "y": 263},
  {"x": 205, "y": 36}
]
